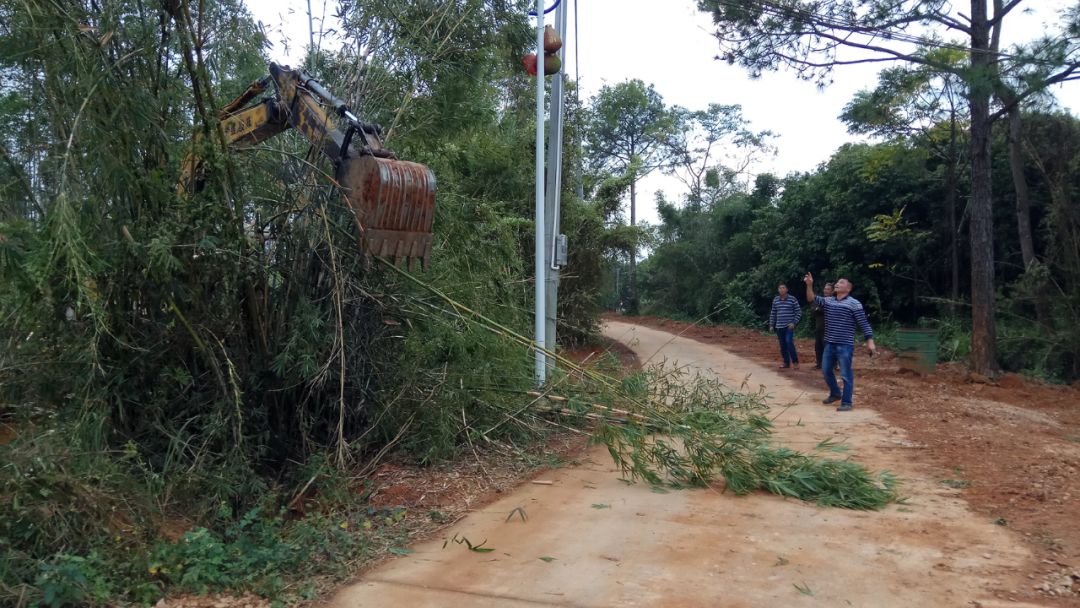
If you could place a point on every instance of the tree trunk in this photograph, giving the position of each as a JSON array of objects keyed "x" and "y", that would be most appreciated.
[
  {"x": 950, "y": 204},
  {"x": 983, "y": 330},
  {"x": 1023, "y": 208},
  {"x": 633, "y": 304},
  {"x": 1023, "y": 201},
  {"x": 1065, "y": 219}
]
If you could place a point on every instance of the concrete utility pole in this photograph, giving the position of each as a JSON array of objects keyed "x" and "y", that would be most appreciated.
[
  {"x": 553, "y": 204},
  {"x": 539, "y": 293}
]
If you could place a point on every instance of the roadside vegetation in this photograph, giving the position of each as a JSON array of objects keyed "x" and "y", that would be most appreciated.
[
  {"x": 177, "y": 372},
  {"x": 962, "y": 217},
  {"x": 874, "y": 213}
]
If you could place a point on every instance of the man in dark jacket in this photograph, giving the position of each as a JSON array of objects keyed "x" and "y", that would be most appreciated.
[{"x": 817, "y": 309}]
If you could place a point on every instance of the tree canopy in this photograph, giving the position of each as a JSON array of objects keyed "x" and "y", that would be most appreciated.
[
  {"x": 814, "y": 37},
  {"x": 627, "y": 131}
]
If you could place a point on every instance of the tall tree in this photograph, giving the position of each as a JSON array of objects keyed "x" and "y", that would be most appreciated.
[
  {"x": 713, "y": 147},
  {"x": 1027, "y": 62},
  {"x": 918, "y": 101},
  {"x": 815, "y": 36},
  {"x": 627, "y": 129}
]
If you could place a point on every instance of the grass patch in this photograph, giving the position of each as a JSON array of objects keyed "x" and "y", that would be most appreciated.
[{"x": 88, "y": 529}]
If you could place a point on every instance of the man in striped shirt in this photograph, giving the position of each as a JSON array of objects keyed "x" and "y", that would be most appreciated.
[
  {"x": 842, "y": 314},
  {"x": 783, "y": 318}
]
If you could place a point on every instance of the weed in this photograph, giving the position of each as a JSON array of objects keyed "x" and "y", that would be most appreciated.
[
  {"x": 554, "y": 461},
  {"x": 804, "y": 589},
  {"x": 478, "y": 548},
  {"x": 956, "y": 484},
  {"x": 74, "y": 580},
  {"x": 253, "y": 553}
]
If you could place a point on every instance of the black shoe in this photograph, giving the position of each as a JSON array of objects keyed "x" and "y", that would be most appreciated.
[
  {"x": 817, "y": 367},
  {"x": 844, "y": 408},
  {"x": 830, "y": 399}
]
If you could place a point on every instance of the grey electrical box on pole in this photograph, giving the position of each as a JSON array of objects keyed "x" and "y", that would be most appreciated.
[
  {"x": 553, "y": 192},
  {"x": 560, "y": 251}
]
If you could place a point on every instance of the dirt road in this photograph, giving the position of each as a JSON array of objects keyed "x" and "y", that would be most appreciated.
[{"x": 591, "y": 540}]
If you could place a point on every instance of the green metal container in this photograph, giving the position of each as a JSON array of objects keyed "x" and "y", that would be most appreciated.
[{"x": 917, "y": 349}]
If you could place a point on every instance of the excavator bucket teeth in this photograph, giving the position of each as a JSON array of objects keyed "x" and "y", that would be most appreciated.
[{"x": 394, "y": 203}]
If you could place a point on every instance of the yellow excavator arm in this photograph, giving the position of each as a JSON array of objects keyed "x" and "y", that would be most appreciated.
[{"x": 393, "y": 200}]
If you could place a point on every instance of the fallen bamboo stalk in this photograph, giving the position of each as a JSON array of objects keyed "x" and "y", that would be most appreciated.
[
  {"x": 568, "y": 412},
  {"x": 560, "y": 399}
]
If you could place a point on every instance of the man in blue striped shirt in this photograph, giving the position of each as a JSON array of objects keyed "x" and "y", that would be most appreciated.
[
  {"x": 783, "y": 318},
  {"x": 842, "y": 314}
]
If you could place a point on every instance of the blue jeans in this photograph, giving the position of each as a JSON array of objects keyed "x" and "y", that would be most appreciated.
[
  {"x": 787, "y": 345},
  {"x": 838, "y": 353}
]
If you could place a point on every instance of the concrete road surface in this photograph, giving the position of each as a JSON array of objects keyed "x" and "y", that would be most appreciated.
[{"x": 592, "y": 540}]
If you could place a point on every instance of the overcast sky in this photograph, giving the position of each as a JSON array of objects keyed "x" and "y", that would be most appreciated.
[{"x": 667, "y": 43}]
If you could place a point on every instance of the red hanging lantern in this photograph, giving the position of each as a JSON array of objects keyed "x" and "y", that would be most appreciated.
[{"x": 529, "y": 61}]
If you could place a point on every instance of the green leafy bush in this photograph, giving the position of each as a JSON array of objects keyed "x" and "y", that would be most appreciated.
[{"x": 72, "y": 580}]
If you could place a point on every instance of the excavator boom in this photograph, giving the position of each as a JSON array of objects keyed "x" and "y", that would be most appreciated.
[{"x": 393, "y": 200}]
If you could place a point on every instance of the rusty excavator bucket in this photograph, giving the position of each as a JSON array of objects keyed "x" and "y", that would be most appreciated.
[
  {"x": 394, "y": 204},
  {"x": 393, "y": 200}
]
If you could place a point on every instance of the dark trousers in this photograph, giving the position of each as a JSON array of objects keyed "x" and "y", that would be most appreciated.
[
  {"x": 787, "y": 345},
  {"x": 839, "y": 353},
  {"x": 819, "y": 344}
]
